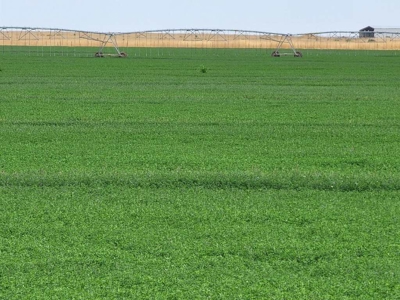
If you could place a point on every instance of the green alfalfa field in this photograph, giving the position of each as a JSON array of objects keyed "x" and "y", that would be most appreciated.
[{"x": 207, "y": 174}]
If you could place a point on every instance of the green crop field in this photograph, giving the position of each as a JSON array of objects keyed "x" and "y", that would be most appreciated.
[{"x": 201, "y": 174}]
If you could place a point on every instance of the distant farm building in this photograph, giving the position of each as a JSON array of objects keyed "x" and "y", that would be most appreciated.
[
  {"x": 371, "y": 32},
  {"x": 367, "y": 32}
]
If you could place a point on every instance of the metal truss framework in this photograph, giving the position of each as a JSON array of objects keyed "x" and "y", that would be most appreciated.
[{"x": 193, "y": 38}]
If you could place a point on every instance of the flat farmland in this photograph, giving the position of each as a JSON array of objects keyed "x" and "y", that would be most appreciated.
[{"x": 202, "y": 175}]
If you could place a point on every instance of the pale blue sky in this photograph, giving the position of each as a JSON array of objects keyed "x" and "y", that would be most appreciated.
[{"x": 282, "y": 16}]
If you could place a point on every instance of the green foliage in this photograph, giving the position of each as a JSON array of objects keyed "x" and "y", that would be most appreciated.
[{"x": 138, "y": 178}]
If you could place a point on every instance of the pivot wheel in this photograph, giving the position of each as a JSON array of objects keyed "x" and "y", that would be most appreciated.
[
  {"x": 275, "y": 54},
  {"x": 298, "y": 54}
]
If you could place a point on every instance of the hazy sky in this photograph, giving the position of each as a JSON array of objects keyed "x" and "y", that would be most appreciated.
[{"x": 282, "y": 16}]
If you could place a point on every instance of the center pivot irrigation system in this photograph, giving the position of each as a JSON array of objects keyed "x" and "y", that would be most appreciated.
[
  {"x": 66, "y": 42},
  {"x": 284, "y": 39},
  {"x": 42, "y": 40}
]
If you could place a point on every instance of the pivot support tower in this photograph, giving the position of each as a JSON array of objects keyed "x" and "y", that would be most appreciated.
[{"x": 286, "y": 39}]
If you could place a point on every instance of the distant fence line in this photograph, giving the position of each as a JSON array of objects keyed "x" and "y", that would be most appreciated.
[{"x": 76, "y": 42}]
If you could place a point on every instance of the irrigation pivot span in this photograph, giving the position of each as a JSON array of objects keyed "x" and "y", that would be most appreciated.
[{"x": 67, "y": 42}]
